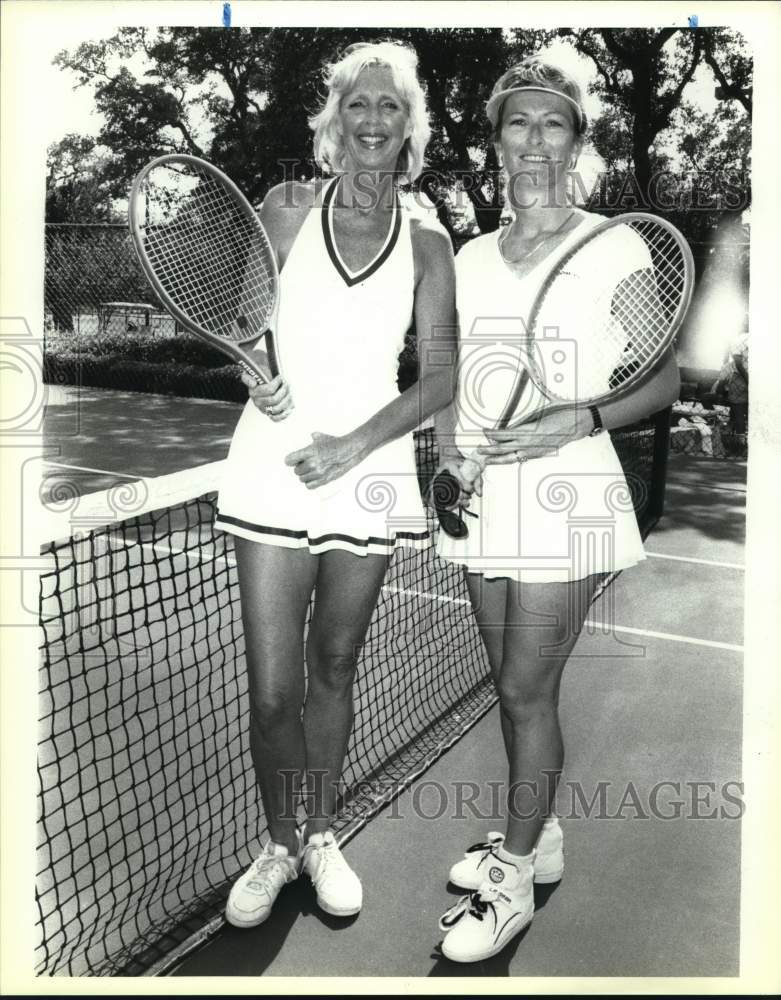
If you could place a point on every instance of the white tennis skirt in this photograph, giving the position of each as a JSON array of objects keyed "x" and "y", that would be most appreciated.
[
  {"x": 372, "y": 509},
  {"x": 551, "y": 520}
]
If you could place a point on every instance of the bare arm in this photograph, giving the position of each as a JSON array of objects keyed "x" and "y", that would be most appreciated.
[
  {"x": 658, "y": 392},
  {"x": 559, "y": 427},
  {"x": 282, "y": 213},
  {"x": 328, "y": 458}
]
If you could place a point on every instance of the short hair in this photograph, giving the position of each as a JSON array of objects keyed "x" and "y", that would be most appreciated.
[
  {"x": 535, "y": 73},
  {"x": 340, "y": 76}
]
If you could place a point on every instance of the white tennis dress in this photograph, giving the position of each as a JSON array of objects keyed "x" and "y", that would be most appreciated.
[
  {"x": 338, "y": 335},
  {"x": 560, "y": 517}
]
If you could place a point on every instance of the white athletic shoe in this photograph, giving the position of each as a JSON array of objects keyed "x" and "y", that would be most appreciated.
[
  {"x": 253, "y": 895},
  {"x": 338, "y": 888},
  {"x": 482, "y": 923},
  {"x": 469, "y": 873}
]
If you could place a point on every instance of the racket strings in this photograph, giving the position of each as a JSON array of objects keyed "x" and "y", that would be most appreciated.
[
  {"x": 617, "y": 326},
  {"x": 212, "y": 260},
  {"x": 206, "y": 278},
  {"x": 206, "y": 286}
]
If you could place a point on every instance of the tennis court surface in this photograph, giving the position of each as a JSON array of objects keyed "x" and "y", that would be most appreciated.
[{"x": 147, "y": 801}]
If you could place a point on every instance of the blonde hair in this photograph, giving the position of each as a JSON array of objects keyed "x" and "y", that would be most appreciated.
[
  {"x": 534, "y": 73},
  {"x": 340, "y": 77}
]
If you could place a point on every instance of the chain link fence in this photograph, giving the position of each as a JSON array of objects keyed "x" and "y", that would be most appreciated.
[
  {"x": 105, "y": 327},
  {"x": 94, "y": 284}
]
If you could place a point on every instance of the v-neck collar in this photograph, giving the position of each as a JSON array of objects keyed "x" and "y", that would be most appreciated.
[
  {"x": 556, "y": 254},
  {"x": 354, "y": 277}
]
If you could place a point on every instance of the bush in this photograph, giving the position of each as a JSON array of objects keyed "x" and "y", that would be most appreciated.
[
  {"x": 130, "y": 374},
  {"x": 184, "y": 348}
]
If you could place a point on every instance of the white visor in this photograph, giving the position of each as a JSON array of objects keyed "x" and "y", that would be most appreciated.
[{"x": 495, "y": 101}]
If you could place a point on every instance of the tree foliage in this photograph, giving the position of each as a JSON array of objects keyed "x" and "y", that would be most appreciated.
[
  {"x": 242, "y": 99},
  {"x": 76, "y": 186}
]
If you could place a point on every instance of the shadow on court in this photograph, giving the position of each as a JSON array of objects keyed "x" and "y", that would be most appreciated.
[
  {"x": 249, "y": 952},
  {"x": 133, "y": 434},
  {"x": 499, "y": 965}
]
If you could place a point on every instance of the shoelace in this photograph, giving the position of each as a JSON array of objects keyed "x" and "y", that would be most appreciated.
[
  {"x": 480, "y": 901},
  {"x": 476, "y": 903},
  {"x": 269, "y": 865},
  {"x": 488, "y": 847},
  {"x": 330, "y": 857}
]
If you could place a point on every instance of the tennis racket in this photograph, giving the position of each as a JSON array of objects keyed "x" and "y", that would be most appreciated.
[
  {"x": 207, "y": 256},
  {"x": 602, "y": 319}
]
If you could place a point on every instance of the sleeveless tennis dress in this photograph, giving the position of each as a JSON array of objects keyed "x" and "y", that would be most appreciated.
[
  {"x": 553, "y": 519},
  {"x": 338, "y": 336}
]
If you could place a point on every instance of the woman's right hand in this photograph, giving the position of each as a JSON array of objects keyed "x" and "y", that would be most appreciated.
[
  {"x": 454, "y": 466},
  {"x": 272, "y": 398}
]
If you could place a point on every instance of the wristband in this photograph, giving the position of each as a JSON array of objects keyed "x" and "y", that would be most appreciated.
[{"x": 596, "y": 416}]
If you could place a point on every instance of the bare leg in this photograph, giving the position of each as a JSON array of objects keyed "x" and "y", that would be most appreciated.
[
  {"x": 535, "y": 652},
  {"x": 345, "y": 597},
  {"x": 276, "y": 585},
  {"x": 489, "y": 604}
]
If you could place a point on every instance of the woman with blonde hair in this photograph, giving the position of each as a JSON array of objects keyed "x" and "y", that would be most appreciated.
[
  {"x": 529, "y": 589},
  {"x": 314, "y": 444}
]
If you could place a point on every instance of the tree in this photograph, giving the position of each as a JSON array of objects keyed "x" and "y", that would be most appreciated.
[
  {"x": 241, "y": 98},
  {"x": 642, "y": 80},
  {"x": 76, "y": 188},
  {"x": 724, "y": 51}
]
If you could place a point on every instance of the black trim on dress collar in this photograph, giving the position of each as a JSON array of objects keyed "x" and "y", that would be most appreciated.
[{"x": 333, "y": 253}]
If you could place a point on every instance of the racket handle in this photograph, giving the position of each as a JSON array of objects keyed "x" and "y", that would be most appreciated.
[
  {"x": 271, "y": 352},
  {"x": 444, "y": 492},
  {"x": 254, "y": 373}
]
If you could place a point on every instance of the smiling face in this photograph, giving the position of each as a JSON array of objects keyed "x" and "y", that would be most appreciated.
[
  {"x": 373, "y": 121},
  {"x": 538, "y": 143}
]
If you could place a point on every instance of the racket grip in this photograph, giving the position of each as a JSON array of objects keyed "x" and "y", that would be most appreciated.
[
  {"x": 445, "y": 493},
  {"x": 271, "y": 352},
  {"x": 254, "y": 373}
]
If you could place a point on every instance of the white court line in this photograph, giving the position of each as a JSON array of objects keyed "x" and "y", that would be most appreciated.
[
  {"x": 690, "y": 559},
  {"x": 100, "y": 472},
  {"x": 202, "y": 555},
  {"x": 425, "y": 595},
  {"x": 668, "y": 635}
]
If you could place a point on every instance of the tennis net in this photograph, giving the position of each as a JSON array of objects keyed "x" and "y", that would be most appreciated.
[{"x": 147, "y": 801}]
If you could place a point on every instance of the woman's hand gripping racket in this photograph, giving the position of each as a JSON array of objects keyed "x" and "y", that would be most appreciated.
[
  {"x": 207, "y": 256},
  {"x": 603, "y": 318}
]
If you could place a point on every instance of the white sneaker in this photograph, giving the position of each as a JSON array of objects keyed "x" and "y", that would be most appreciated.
[
  {"x": 549, "y": 854},
  {"x": 253, "y": 895},
  {"x": 339, "y": 890},
  {"x": 482, "y": 923},
  {"x": 469, "y": 873}
]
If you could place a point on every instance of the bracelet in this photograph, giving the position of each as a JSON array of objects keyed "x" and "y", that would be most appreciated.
[{"x": 596, "y": 416}]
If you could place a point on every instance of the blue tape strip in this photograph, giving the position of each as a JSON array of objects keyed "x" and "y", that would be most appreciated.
[
  {"x": 693, "y": 20},
  {"x": 226, "y": 15}
]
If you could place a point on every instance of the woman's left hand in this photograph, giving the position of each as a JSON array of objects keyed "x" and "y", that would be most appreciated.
[
  {"x": 325, "y": 459},
  {"x": 544, "y": 435}
]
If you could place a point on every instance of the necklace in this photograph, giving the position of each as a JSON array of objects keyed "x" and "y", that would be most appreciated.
[{"x": 537, "y": 245}]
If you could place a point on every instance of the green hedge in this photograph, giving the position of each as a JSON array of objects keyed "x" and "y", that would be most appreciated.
[
  {"x": 112, "y": 371},
  {"x": 182, "y": 365},
  {"x": 182, "y": 349}
]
